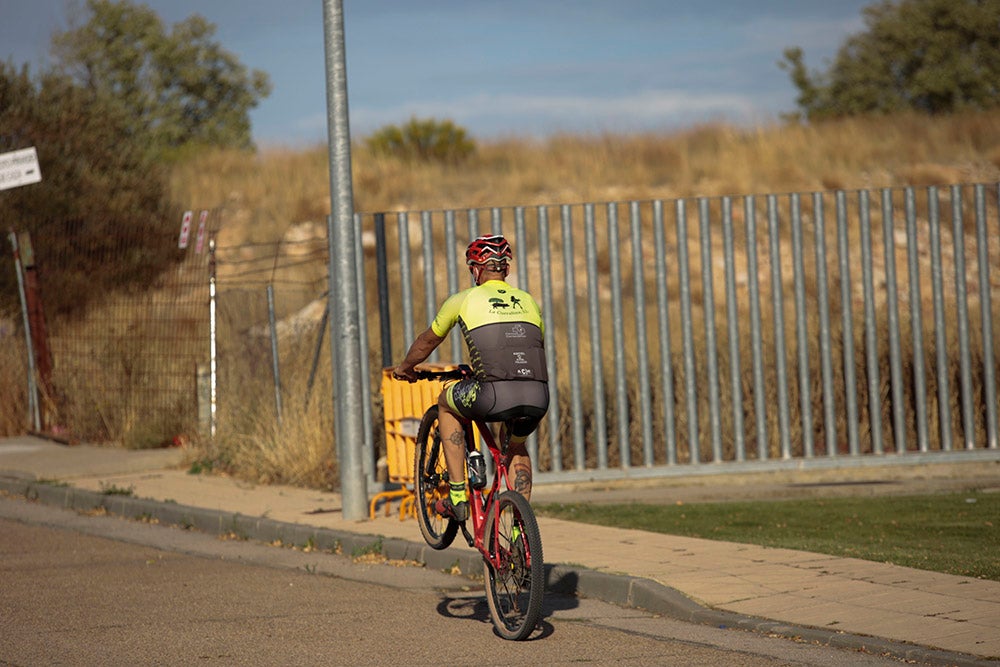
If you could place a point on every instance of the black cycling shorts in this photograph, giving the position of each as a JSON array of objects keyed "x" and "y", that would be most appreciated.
[{"x": 523, "y": 402}]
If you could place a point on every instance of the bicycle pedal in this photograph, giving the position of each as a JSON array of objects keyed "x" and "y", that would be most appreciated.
[{"x": 468, "y": 536}]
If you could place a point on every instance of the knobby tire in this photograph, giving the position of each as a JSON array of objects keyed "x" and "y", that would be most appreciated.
[
  {"x": 430, "y": 481},
  {"x": 514, "y": 591}
]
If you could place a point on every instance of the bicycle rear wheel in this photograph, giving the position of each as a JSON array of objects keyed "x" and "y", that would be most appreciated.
[
  {"x": 515, "y": 589},
  {"x": 430, "y": 482}
]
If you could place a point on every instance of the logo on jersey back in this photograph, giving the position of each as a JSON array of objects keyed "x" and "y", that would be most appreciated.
[
  {"x": 516, "y": 331},
  {"x": 509, "y": 304}
]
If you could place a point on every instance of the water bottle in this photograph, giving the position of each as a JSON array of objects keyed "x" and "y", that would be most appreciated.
[{"x": 477, "y": 469}]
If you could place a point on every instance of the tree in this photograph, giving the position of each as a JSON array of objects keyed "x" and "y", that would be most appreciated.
[
  {"x": 423, "y": 140},
  {"x": 932, "y": 56},
  {"x": 180, "y": 87},
  {"x": 101, "y": 195}
]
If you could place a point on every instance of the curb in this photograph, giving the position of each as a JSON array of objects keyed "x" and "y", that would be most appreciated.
[{"x": 618, "y": 589}]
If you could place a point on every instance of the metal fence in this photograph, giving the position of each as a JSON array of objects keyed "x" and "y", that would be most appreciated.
[
  {"x": 141, "y": 361},
  {"x": 683, "y": 336},
  {"x": 827, "y": 328},
  {"x": 122, "y": 331}
]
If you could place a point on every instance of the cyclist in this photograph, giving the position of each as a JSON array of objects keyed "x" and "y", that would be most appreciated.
[{"x": 503, "y": 331}]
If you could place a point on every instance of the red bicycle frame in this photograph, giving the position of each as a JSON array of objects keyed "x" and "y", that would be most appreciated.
[{"x": 481, "y": 499}]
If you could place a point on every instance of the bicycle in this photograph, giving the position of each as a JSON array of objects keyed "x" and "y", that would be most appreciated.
[{"x": 504, "y": 527}]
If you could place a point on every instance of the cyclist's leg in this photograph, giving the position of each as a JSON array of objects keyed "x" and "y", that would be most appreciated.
[
  {"x": 452, "y": 437},
  {"x": 520, "y": 465}
]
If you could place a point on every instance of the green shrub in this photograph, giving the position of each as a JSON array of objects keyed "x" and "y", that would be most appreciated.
[{"x": 424, "y": 141}]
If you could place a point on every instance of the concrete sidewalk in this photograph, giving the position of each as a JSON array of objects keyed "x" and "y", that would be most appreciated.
[{"x": 908, "y": 613}]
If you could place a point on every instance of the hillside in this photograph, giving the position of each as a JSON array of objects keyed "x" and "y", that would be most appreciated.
[{"x": 277, "y": 188}]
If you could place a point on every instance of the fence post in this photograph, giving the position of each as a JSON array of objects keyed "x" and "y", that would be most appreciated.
[
  {"x": 33, "y": 411},
  {"x": 212, "y": 362},
  {"x": 274, "y": 351}
]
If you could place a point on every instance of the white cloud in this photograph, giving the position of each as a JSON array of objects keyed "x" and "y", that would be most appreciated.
[{"x": 492, "y": 114}]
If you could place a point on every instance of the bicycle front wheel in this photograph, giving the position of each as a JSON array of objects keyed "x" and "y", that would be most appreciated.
[
  {"x": 430, "y": 482},
  {"x": 514, "y": 590}
]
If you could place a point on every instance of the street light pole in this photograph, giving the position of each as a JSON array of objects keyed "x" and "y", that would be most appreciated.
[{"x": 343, "y": 306}]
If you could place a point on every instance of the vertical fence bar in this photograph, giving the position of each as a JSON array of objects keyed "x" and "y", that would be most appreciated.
[
  {"x": 600, "y": 433},
  {"x": 916, "y": 320},
  {"x": 618, "y": 338},
  {"x": 662, "y": 305},
  {"x": 732, "y": 316},
  {"x": 545, "y": 259},
  {"x": 690, "y": 381},
  {"x": 473, "y": 223},
  {"x": 940, "y": 332},
  {"x": 275, "y": 369},
  {"x": 642, "y": 347},
  {"x": 405, "y": 285},
  {"x": 521, "y": 264},
  {"x": 892, "y": 294},
  {"x": 847, "y": 320},
  {"x": 368, "y": 445},
  {"x": 712, "y": 350},
  {"x": 430, "y": 291},
  {"x": 572, "y": 338},
  {"x": 778, "y": 306},
  {"x": 801, "y": 329},
  {"x": 986, "y": 319},
  {"x": 382, "y": 269},
  {"x": 451, "y": 266},
  {"x": 521, "y": 248},
  {"x": 823, "y": 305},
  {"x": 756, "y": 344},
  {"x": 871, "y": 344},
  {"x": 961, "y": 301}
]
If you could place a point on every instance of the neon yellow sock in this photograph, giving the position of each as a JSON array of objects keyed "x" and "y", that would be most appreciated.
[
  {"x": 458, "y": 493},
  {"x": 515, "y": 533}
]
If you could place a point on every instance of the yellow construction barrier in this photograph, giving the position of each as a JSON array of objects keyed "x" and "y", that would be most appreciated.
[{"x": 403, "y": 404}]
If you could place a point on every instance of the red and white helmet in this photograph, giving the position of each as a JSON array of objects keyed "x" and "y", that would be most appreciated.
[{"x": 487, "y": 249}]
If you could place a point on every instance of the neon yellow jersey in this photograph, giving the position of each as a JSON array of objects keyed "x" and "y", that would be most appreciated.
[{"x": 503, "y": 330}]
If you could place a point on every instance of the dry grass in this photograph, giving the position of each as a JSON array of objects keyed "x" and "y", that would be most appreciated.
[
  {"x": 265, "y": 194},
  {"x": 13, "y": 391}
]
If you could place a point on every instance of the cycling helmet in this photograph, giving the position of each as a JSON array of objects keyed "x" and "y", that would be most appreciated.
[{"x": 488, "y": 249}]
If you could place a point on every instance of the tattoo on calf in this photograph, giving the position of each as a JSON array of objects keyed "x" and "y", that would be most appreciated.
[
  {"x": 522, "y": 478},
  {"x": 457, "y": 438}
]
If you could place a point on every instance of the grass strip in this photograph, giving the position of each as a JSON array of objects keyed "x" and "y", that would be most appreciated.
[{"x": 950, "y": 533}]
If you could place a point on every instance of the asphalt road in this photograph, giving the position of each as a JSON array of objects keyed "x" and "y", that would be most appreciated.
[{"x": 98, "y": 590}]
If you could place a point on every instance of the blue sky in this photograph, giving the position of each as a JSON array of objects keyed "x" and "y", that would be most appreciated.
[{"x": 502, "y": 68}]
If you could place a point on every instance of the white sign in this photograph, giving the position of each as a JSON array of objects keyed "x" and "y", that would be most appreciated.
[
  {"x": 19, "y": 168},
  {"x": 182, "y": 242},
  {"x": 200, "y": 239}
]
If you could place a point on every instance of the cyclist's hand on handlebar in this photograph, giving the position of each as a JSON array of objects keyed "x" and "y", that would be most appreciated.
[{"x": 401, "y": 373}]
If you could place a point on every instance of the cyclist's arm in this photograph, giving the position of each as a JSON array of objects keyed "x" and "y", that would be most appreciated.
[{"x": 421, "y": 348}]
